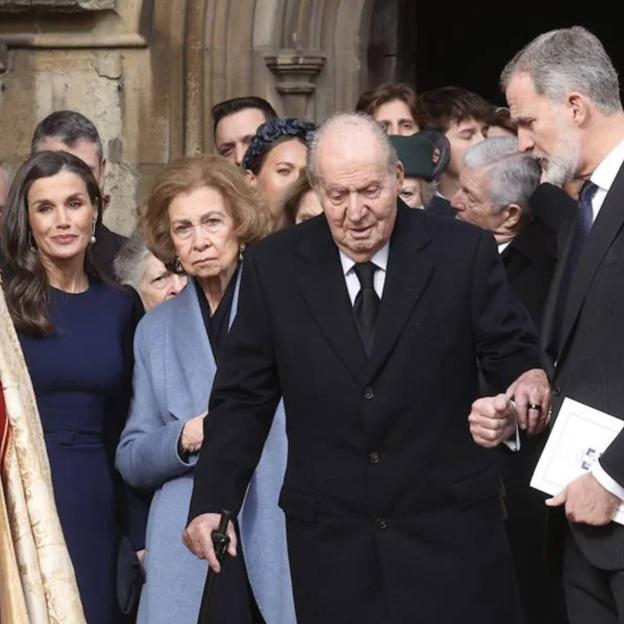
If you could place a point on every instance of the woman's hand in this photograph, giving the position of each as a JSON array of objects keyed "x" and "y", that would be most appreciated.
[{"x": 193, "y": 434}]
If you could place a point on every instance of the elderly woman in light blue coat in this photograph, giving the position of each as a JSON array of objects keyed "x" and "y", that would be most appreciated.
[{"x": 200, "y": 215}]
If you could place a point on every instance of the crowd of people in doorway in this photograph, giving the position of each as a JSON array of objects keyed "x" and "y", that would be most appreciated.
[{"x": 355, "y": 336}]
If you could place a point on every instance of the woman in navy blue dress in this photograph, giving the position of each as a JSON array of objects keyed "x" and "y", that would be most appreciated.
[{"x": 76, "y": 333}]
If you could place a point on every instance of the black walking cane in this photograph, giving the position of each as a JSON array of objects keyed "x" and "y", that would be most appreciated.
[{"x": 220, "y": 541}]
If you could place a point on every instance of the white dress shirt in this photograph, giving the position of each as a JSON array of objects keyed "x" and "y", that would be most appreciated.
[
  {"x": 603, "y": 177},
  {"x": 503, "y": 246},
  {"x": 380, "y": 260}
]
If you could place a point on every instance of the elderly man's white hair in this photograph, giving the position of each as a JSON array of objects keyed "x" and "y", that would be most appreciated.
[
  {"x": 358, "y": 122},
  {"x": 512, "y": 175},
  {"x": 129, "y": 263}
]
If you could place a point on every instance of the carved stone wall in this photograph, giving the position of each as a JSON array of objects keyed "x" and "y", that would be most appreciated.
[{"x": 147, "y": 72}]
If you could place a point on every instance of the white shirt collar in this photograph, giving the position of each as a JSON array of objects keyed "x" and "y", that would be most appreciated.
[
  {"x": 379, "y": 259},
  {"x": 605, "y": 173},
  {"x": 503, "y": 246}
]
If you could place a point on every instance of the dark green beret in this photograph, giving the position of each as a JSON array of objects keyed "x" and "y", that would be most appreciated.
[{"x": 416, "y": 154}]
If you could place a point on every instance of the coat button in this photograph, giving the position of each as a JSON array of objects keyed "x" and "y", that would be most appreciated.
[
  {"x": 368, "y": 393},
  {"x": 382, "y": 524},
  {"x": 373, "y": 457}
]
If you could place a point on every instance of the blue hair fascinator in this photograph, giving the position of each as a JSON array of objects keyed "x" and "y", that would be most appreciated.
[{"x": 271, "y": 131}]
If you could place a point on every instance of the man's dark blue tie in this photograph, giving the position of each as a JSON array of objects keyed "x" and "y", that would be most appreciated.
[
  {"x": 582, "y": 227},
  {"x": 366, "y": 303}
]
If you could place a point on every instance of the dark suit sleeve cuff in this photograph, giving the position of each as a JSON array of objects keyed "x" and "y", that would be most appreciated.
[
  {"x": 612, "y": 460},
  {"x": 206, "y": 500},
  {"x": 530, "y": 359}
]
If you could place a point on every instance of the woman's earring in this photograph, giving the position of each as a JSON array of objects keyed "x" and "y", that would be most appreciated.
[
  {"x": 93, "y": 239},
  {"x": 241, "y": 251},
  {"x": 31, "y": 242},
  {"x": 177, "y": 265}
]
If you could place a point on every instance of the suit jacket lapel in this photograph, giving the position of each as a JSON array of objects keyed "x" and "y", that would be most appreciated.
[
  {"x": 324, "y": 288},
  {"x": 606, "y": 227},
  {"x": 408, "y": 273},
  {"x": 515, "y": 261},
  {"x": 234, "y": 309},
  {"x": 531, "y": 245},
  {"x": 550, "y": 309}
]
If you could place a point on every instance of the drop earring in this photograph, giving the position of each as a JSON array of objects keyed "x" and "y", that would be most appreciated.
[
  {"x": 93, "y": 239},
  {"x": 31, "y": 242},
  {"x": 241, "y": 251},
  {"x": 177, "y": 265}
]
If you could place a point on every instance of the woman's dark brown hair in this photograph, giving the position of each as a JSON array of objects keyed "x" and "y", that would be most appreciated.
[
  {"x": 371, "y": 100},
  {"x": 502, "y": 119},
  {"x": 25, "y": 280}
]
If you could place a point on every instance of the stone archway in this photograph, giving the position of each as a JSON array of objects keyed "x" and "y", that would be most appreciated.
[{"x": 308, "y": 57}]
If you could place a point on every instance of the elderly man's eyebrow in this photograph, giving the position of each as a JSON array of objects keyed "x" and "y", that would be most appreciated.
[{"x": 333, "y": 188}]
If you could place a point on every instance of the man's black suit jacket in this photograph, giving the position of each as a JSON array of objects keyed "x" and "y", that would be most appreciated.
[
  {"x": 530, "y": 261},
  {"x": 106, "y": 247},
  {"x": 441, "y": 207},
  {"x": 393, "y": 512},
  {"x": 556, "y": 210},
  {"x": 589, "y": 364}
]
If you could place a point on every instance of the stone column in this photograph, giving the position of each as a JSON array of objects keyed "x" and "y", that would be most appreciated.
[{"x": 296, "y": 72}]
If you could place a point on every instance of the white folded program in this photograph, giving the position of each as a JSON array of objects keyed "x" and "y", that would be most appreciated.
[{"x": 578, "y": 438}]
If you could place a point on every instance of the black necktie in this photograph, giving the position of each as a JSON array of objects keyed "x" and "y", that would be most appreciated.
[
  {"x": 582, "y": 227},
  {"x": 366, "y": 303}
]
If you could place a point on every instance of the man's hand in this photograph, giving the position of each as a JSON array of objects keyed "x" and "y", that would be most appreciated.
[
  {"x": 198, "y": 538},
  {"x": 531, "y": 394},
  {"x": 193, "y": 434},
  {"x": 492, "y": 420},
  {"x": 586, "y": 501}
]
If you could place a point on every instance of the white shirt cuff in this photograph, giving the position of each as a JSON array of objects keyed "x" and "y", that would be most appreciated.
[
  {"x": 513, "y": 443},
  {"x": 606, "y": 481}
]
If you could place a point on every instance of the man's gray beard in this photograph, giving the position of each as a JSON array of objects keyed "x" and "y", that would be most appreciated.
[
  {"x": 560, "y": 170},
  {"x": 562, "y": 165}
]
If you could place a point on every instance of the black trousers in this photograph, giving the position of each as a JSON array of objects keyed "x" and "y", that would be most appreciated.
[
  {"x": 540, "y": 587},
  {"x": 593, "y": 596}
]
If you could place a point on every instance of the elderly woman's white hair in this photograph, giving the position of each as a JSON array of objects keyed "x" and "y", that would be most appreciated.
[{"x": 129, "y": 263}]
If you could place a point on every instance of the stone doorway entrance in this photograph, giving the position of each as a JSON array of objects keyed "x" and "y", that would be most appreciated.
[{"x": 409, "y": 43}]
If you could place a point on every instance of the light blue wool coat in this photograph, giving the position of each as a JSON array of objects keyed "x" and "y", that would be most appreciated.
[{"x": 173, "y": 376}]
